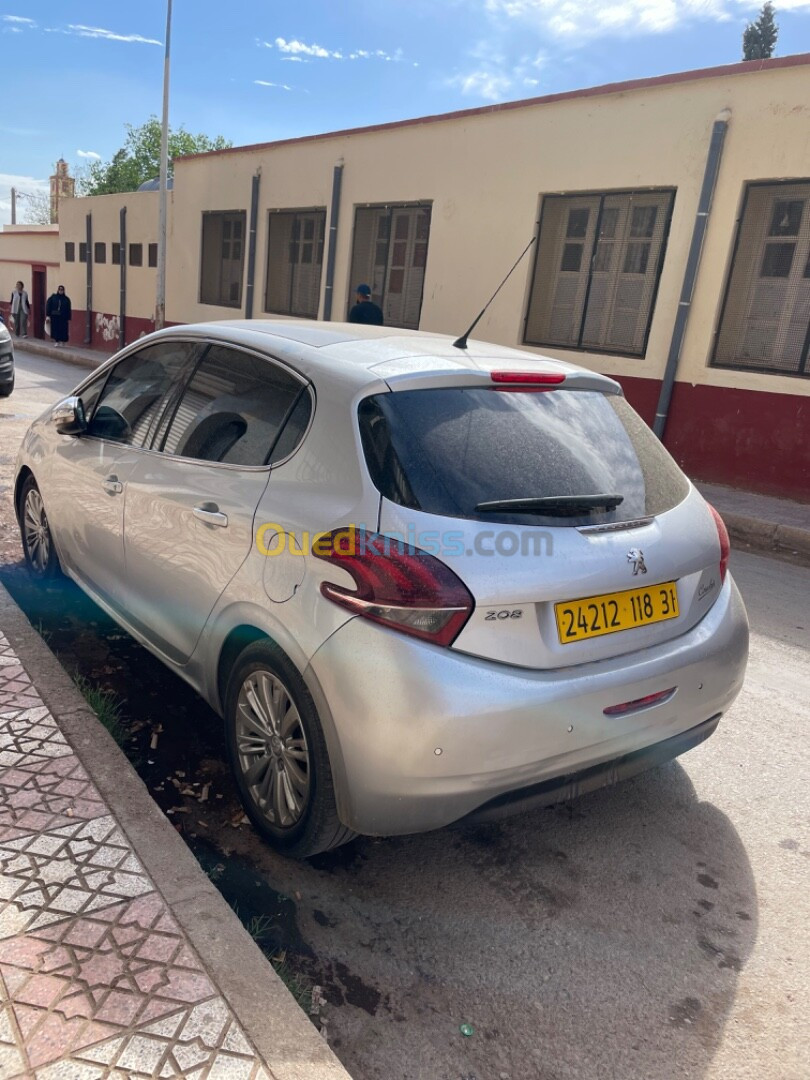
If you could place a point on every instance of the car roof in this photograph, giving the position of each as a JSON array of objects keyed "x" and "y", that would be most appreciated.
[{"x": 367, "y": 354}]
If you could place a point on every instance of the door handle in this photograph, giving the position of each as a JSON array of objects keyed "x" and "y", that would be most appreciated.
[
  {"x": 112, "y": 485},
  {"x": 211, "y": 515}
]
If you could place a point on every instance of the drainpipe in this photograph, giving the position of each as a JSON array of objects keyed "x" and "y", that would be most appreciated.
[
  {"x": 251, "y": 266},
  {"x": 88, "y": 318},
  {"x": 122, "y": 303},
  {"x": 331, "y": 254},
  {"x": 690, "y": 274}
]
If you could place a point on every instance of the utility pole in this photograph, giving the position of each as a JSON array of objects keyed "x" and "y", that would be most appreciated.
[
  {"x": 160, "y": 303},
  {"x": 13, "y": 206}
]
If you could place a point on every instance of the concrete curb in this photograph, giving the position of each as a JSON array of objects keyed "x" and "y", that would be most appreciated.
[
  {"x": 768, "y": 537},
  {"x": 84, "y": 358},
  {"x": 270, "y": 1017}
]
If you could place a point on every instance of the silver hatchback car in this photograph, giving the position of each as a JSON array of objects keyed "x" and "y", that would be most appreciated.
[{"x": 421, "y": 585}]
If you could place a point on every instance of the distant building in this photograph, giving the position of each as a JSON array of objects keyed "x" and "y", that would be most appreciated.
[{"x": 63, "y": 186}]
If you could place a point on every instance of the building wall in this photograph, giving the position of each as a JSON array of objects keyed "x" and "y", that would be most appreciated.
[
  {"x": 25, "y": 249},
  {"x": 485, "y": 173},
  {"x": 105, "y": 308}
]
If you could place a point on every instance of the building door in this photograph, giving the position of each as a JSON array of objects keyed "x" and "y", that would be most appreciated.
[{"x": 38, "y": 303}]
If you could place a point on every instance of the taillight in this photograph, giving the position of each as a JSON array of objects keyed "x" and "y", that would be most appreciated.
[
  {"x": 397, "y": 585},
  {"x": 725, "y": 544}
]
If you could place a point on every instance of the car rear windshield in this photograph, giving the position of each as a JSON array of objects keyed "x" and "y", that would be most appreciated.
[{"x": 447, "y": 451}]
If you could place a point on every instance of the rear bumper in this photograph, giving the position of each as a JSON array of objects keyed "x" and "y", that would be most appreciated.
[
  {"x": 562, "y": 788},
  {"x": 421, "y": 737}
]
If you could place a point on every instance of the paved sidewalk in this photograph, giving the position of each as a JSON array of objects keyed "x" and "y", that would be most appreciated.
[
  {"x": 98, "y": 978},
  {"x": 68, "y": 354}
]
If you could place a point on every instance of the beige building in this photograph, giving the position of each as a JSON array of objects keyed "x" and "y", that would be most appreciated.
[{"x": 433, "y": 212}]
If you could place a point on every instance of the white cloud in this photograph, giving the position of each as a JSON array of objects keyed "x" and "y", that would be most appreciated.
[
  {"x": 108, "y": 35},
  {"x": 488, "y": 85},
  {"x": 583, "y": 19},
  {"x": 89, "y": 154},
  {"x": 30, "y": 185},
  {"x": 297, "y": 50},
  {"x": 278, "y": 86},
  {"x": 18, "y": 19}
]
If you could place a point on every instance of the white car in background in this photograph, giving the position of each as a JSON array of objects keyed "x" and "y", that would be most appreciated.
[{"x": 422, "y": 584}]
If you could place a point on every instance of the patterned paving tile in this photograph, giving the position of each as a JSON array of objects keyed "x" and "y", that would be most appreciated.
[{"x": 97, "y": 980}]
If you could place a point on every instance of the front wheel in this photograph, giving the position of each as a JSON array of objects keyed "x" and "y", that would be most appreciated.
[
  {"x": 37, "y": 541},
  {"x": 278, "y": 754},
  {"x": 6, "y": 389}
]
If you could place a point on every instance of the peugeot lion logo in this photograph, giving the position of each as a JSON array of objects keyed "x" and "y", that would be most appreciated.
[{"x": 636, "y": 557}]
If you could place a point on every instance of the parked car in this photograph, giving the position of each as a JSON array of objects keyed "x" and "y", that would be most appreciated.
[
  {"x": 6, "y": 361},
  {"x": 422, "y": 585}
]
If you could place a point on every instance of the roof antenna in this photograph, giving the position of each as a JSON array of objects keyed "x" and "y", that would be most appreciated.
[{"x": 461, "y": 343}]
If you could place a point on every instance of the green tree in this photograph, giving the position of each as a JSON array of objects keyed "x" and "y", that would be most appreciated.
[
  {"x": 759, "y": 37},
  {"x": 138, "y": 160}
]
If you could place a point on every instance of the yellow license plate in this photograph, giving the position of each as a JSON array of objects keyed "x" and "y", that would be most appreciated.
[{"x": 595, "y": 616}]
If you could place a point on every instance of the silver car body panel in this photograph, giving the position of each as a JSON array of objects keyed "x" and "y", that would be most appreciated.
[{"x": 507, "y": 705}]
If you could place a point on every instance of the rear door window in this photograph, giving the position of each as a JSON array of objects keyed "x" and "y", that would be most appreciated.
[
  {"x": 447, "y": 451},
  {"x": 135, "y": 391},
  {"x": 233, "y": 410}
]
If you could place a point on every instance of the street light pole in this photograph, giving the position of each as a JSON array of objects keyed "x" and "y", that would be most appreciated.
[{"x": 160, "y": 304}]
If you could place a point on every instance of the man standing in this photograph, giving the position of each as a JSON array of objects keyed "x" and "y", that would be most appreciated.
[
  {"x": 20, "y": 309},
  {"x": 365, "y": 310}
]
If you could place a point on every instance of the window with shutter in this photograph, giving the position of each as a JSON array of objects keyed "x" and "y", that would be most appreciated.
[
  {"x": 222, "y": 258},
  {"x": 390, "y": 255},
  {"x": 599, "y": 259},
  {"x": 765, "y": 320},
  {"x": 295, "y": 245}
]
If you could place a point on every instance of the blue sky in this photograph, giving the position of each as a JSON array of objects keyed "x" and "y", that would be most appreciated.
[{"x": 76, "y": 71}]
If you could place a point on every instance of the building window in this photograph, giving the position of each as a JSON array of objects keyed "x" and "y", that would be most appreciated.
[
  {"x": 70, "y": 251},
  {"x": 599, "y": 258},
  {"x": 99, "y": 253},
  {"x": 223, "y": 258},
  {"x": 390, "y": 255},
  {"x": 83, "y": 252},
  {"x": 136, "y": 254},
  {"x": 152, "y": 254},
  {"x": 295, "y": 240},
  {"x": 115, "y": 255},
  {"x": 765, "y": 320}
]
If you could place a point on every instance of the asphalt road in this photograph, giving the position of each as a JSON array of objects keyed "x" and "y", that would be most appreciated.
[{"x": 655, "y": 930}]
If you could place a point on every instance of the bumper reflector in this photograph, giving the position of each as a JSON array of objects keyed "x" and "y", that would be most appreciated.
[{"x": 640, "y": 703}]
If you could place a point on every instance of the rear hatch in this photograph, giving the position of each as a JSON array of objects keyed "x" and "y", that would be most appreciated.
[{"x": 576, "y": 533}]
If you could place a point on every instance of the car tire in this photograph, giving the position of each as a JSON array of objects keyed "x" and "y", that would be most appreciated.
[
  {"x": 37, "y": 540},
  {"x": 278, "y": 754},
  {"x": 5, "y": 391}
]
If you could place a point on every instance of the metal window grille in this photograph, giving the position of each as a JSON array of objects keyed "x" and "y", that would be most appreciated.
[
  {"x": 765, "y": 319},
  {"x": 152, "y": 254},
  {"x": 222, "y": 260},
  {"x": 100, "y": 252},
  {"x": 295, "y": 244},
  {"x": 390, "y": 255},
  {"x": 136, "y": 254},
  {"x": 596, "y": 272},
  {"x": 82, "y": 252},
  {"x": 70, "y": 251},
  {"x": 115, "y": 255}
]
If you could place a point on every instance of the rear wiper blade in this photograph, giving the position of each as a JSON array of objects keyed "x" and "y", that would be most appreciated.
[{"x": 553, "y": 505}]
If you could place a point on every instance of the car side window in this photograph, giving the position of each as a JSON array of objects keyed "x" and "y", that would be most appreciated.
[
  {"x": 232, "y": 410},
  {"x": 135, "y": 391}
]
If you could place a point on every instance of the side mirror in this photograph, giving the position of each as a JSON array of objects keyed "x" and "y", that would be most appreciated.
[{"x": 68, "y": 417}]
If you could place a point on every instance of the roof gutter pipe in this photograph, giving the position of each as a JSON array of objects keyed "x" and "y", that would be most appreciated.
[{"x": 690, "y": 274}]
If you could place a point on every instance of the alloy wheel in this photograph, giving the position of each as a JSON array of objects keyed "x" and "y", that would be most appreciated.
[
  {"x": 272, "y": 749},
  {"x": 36, "y": 532}
]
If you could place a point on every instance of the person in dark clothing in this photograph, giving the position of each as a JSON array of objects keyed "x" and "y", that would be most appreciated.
[
  {"x": 58, "y": 310},
  {"x": 365, "y": 310}
]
